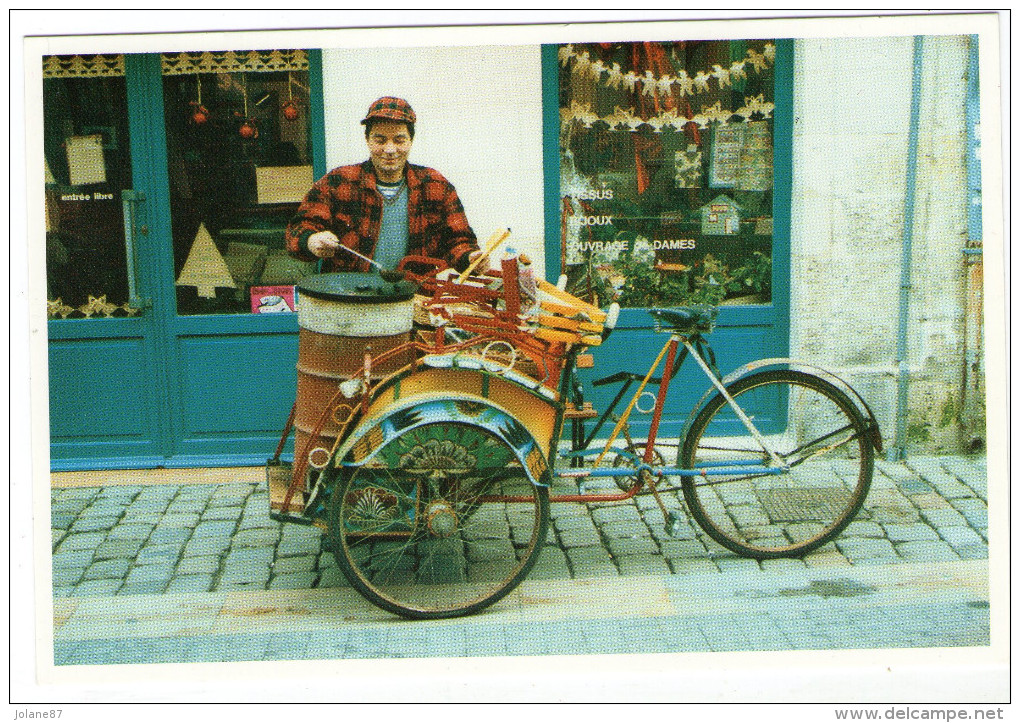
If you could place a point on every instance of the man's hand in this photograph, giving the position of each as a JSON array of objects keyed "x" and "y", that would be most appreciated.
[{"x": 324, "y": 244}]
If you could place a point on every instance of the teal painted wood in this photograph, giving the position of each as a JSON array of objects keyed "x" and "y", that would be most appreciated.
[
  {"x": 156, "y": 262},
  {"x": 237, "y": 385},
  {"x": 782, "y": 190},
  {"x": 106, "y": 377},
  {"x": 89, "y": 379},
  {"x": 551, "y": 158},
  {"x": 317, "y": 112}
]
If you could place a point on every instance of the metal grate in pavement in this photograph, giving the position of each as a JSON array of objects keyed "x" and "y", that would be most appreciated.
[{"x": 801, "y": 504}]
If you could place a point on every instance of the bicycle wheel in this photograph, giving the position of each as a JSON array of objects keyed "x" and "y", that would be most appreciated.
[
  {"x": 823, "y": 441},
  {"x": 421, "y": 530}
]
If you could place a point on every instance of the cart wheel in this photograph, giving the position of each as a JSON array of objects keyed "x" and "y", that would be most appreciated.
[
  {"x": 424, "y": 529},
  {"x": 824, "y": 442}
]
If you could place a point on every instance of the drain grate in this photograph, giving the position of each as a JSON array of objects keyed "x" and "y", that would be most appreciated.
[{"x": 804, "y": 504}]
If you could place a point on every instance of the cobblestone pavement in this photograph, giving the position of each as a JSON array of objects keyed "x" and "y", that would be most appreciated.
[
  {"x": 198, "y": 572},
  {"x": 124, "y": 540}
]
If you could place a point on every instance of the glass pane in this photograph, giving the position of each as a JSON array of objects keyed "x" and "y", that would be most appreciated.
[
  {"x": 88, "y": 164},
  {"x": 239, "y": 152},
  {"x": 666, "y": 171}
]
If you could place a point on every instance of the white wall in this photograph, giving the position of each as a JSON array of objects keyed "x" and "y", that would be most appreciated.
[
  {"x": 479, "y": 123},
  {"x": 852, "y": 112}
]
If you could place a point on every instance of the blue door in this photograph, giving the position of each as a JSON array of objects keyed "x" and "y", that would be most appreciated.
[
  {"x": 107, "y": 379},
  {"x": 165, "y": 207}
]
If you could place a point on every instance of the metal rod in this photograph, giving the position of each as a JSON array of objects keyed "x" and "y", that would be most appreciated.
[
  {"x": 773, "y": 457},
  {"x": 348, "y": 249},
  {"x": 898, "y": 451},
  {"x": 633, "y": 401},
  {"x": 729, "y": 469},
  {"x": 660, "y": 401}
]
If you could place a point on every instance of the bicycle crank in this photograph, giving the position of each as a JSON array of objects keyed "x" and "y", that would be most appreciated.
[{"x": 674, "y": 524}]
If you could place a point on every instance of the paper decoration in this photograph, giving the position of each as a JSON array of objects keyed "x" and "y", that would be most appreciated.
[
  {"x": 233, "y": 61},
  {"x": 579, "y": 112},
  {"x": 85, "y": 160},
  {"x": 755, "y": 104},
  {"x": 625, "y": 119},
  {"x": 721, "y": 216},
  {"x": 283, "y": 184},
  {"x": 724, "y": 161},
  {"x": 688, "y": 167},
  {"x": 57, "y": 307},
  {"x": 205, "y": 268},
  {"x": 272, "y": 299},
  {"x": 685, "y": 84},
  {"x": 97, "y": 306}
]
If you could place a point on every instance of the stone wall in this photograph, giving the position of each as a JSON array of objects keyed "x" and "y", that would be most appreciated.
[{"x": 852, "y": 112}]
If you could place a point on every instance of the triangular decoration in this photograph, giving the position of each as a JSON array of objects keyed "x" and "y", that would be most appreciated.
[{"x": 205, "y": 268}]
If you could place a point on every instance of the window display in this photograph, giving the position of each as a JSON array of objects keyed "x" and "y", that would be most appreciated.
[
  {"x": 88, "y": 164},
  {"x": 666, "y": 171},
  {"x": 239, "y": 151}
]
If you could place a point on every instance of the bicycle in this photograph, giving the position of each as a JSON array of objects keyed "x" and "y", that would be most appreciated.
[{"x": 437, "y": 491}]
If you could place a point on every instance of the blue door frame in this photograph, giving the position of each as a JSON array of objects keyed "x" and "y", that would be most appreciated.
[
  {"x": 163, "y": 390},
  {"x": 744, "y": 333}
]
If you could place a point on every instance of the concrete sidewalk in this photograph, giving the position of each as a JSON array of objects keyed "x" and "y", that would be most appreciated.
[
  {"x": 175, "y": 572},
  {"x": 909, "y": 605}
]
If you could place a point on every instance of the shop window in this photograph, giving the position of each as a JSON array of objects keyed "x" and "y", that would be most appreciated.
[
  {"x": 240, "y": 160},
  {"x": 88, "y": 164},
  {"x": 666, "y": 171}
]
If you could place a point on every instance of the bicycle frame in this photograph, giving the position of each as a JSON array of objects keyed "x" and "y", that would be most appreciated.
[{"x": 643, "y": 469}]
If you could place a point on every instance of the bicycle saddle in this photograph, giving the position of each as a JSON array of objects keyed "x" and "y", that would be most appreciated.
[{"x": 686, "y": 319}]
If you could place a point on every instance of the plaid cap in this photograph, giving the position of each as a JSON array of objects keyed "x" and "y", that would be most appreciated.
[{"x": 390, "y": 108}]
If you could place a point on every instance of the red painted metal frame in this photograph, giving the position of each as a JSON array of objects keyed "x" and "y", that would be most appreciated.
[{"x": 660, "y": 402}]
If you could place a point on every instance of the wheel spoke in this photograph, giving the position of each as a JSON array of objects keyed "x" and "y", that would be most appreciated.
[
  {"x": 792, "y": 511},
  {"x": 459, "y": 549}
]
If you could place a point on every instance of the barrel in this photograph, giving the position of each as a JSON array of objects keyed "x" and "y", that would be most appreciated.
[{"x": 341, "y": 317}]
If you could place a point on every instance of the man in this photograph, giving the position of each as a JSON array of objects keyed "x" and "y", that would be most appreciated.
[{"x": 384, "y": 208}]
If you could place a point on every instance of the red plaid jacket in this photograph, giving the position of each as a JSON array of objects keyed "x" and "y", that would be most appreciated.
[{"x": 347, "y": 202}]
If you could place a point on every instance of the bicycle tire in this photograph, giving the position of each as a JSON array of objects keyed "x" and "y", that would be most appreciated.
[
  {"x": 786, "y": 515},
  {"x": 424, "y": 541}
]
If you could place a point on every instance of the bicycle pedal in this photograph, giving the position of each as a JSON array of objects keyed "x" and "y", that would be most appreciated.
[{"x": 674, "y": 525}]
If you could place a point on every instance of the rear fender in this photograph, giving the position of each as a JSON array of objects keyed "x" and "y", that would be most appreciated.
[
  {"x": 763, "y": 365},
  {"x": 375, "y": 432}
]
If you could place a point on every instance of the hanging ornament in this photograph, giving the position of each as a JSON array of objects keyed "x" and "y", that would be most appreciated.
[
  {"x": 199, "y": 113},
  {"x": 248, "y": 130},
  {"x": 290, "y": 109}
]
